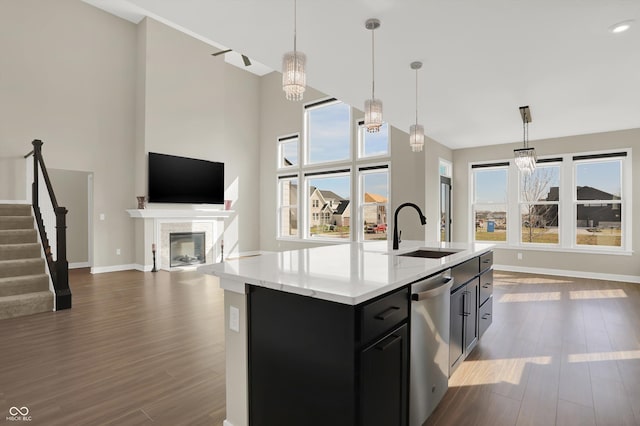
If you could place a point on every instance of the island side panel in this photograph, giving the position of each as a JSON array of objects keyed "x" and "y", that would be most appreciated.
[
  {"x": 236, "y": 362},
  {"x": 301, "y": 360}
]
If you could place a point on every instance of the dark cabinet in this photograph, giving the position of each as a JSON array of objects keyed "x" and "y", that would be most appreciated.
[
  {"x": 315, "y": 362},
  {"x": 383, "y": 384},
  {"x": 463, "y": 329},
  {"x": 471, "y": 306}
]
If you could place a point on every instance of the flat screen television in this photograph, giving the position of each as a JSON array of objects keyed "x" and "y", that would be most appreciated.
[{"x": 174, "y": 179}]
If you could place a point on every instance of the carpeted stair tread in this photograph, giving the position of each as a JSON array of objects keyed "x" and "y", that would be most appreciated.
[
  {"x": 15, "y": 209},
  {"x": 19, "y": 251},
  {"x": 10, "y": 286},
  {"x": 17, "y": 236},
  {"x": 20, "y": 267},
  {"x": 16, "y": 222},
  {"x": 26, "y": 304}
]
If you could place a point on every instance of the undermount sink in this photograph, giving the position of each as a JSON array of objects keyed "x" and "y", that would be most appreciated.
[{"x": 428, "y": 254}]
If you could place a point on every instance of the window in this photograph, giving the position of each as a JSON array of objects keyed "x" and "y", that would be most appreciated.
[
  {"x": 539, "y": 204},
  {"x": 374, "y": 201},
  {"x": 373, "y": 144},
  {"x": 328, "y": 131},
  {"x": 327, "y": 178},
  {"x": 288, "y": 206},
  {"x": 288, "y": 151},
  {"x": 490, "y": 201},
  {"x": 330, "y": 216},
  {"x": 571, "y": 202},
  {"x": 598, "y": 201}
]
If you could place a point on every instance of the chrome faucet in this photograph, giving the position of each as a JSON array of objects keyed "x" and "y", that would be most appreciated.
[{"x": 396, "y": 236}]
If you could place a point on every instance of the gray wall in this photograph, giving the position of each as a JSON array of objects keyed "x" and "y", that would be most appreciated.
[
  {"x": 192, "y": 104},
  {"x": 68, "y": 78},
  {"x": 72, "y": 192},
  {"x": 569, "y": 261}
]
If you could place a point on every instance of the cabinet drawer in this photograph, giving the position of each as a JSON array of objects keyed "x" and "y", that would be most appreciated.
[
  {"x": 486, "y": 285},
  {"x": 486, "y": 261},
  {"x": 485, "y": 316},
  {"x": 464, "y": 272},
  {"x": 381, "y": 315}
]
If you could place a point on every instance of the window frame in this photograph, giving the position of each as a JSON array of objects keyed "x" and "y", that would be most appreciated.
[
  {"x": 567, "y": 204},
  {"x": 282, "y": 140},
  {"x": 362, "y": 171},
  {"x": 549, "y": 162},
  {"x": 489, "y": 165},
  {"x": 307, "y": 140},
  {"x": 281, "y": 207}
]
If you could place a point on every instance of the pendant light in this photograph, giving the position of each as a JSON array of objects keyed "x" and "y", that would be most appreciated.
[
  {"x": 294, "y": 77},
  {"x": 416, "y": 131},
  {"x": 525, "y": 157},
  {"x": 373, "y": 106}
]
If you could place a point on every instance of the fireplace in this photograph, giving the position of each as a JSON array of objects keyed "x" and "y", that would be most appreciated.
[{"x": 187, "y": 248}]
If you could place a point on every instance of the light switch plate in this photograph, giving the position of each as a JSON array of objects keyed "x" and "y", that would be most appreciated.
[{"x": 234, "y": 319}]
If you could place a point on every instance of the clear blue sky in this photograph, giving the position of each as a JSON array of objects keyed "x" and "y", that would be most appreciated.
[
  {"x": 329, "y": 133},
  {"x": 604, "y": 176}
]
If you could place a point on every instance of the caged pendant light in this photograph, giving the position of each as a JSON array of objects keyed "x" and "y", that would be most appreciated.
[
  {"x": 525, "y": 157},
  {"x": 294, "y": 77},
  {"x": 373, "y": 106},
  {"x": 416, "y": 131}
]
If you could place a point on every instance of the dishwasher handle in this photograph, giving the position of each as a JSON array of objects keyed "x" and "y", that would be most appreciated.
[{"x": 433, "y": 292}]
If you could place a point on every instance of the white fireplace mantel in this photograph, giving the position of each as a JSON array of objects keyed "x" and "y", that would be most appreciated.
[
  {"x": 159, "y": 223},
  {"x": 179, "y": 214}
]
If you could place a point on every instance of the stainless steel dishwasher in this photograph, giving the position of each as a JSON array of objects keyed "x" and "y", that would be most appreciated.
[{"x": 429, "y": 366}]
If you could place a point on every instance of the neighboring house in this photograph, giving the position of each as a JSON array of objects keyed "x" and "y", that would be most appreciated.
[
  {"x": 342, "y": 214},
  {"x": 375, "y": 213},
  {"x": 589, "y": 214}
]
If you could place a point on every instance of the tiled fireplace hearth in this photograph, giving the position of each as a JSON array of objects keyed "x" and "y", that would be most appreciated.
[{"x": 160, "y": 224}]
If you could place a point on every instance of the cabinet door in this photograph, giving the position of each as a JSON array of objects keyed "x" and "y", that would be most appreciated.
[
  {"x": 471, "y": 296},
  {"x": 456, "y": 335},
  {"x": 383, "y": 385}
]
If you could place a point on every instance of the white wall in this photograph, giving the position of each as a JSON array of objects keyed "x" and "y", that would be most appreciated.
[
  {"x": 583, "y": 263},
  {"x": 68, "y": 78}
]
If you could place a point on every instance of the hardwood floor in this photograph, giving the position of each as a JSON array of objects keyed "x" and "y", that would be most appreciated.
[
  {"x": 141, "y": 348},
  {"x": 136, "y": 348},
  {"x": 560, "y": 351}
]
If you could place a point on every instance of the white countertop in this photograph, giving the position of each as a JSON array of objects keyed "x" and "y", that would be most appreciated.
[{"x": 349, "y": 273}]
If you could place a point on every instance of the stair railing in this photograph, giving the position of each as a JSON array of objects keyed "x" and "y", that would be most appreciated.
[{"x": 58, "y": 267}]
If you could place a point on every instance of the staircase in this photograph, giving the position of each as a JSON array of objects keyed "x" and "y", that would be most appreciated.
[{"x": 24, "y": 285}]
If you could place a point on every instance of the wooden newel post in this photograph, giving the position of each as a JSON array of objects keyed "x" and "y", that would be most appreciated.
[{"x": 63, "y": 294}]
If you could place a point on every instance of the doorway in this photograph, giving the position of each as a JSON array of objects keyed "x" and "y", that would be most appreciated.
[{"x": 445, "y": 209}]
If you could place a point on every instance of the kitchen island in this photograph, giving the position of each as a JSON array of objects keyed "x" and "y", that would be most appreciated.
[{"x": 306, "y": 317}]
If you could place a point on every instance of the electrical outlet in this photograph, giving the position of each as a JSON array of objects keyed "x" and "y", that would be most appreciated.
[
  {"x": 234, "y": 319},
  {"x": 519, "y": 256},
  {"x": 118, "y": 252},
  {"x": 101, "y": 216}
]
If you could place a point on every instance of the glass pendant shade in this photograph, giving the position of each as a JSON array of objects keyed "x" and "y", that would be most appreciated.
[
  {"x": 416, "y": 137},
  {"x": 525, "y": 159},
  {"x": 294, "y": 77},
  {"x": 373, "y": 115}
]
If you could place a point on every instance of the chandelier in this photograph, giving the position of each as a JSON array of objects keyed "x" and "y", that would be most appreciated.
[
  {"x": 294, "y": 77},
  {"x": 373, "y": 106},
  {"x": 525, "y": 157},
  {"x": 416, "y": 131}
]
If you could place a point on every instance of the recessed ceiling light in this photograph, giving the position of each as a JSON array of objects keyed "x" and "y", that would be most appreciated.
[{"x": 621, "y": 27}]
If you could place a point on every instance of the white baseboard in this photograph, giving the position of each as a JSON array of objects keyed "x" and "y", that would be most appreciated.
[
  {"x": 568, "y": 273},
  {"x": 78, "y": 265},
  {"x": 142, "y": 268},
  {"x": 114, "y": 268},
  {"x": 227, "y": 423},
  {"x": 15, "y": 202}
]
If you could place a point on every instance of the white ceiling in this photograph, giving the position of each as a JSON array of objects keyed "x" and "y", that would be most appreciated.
[{"x": 482, "y": 59}]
